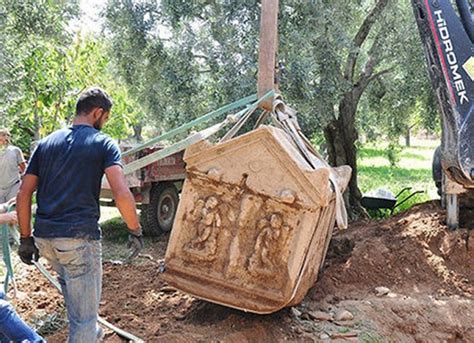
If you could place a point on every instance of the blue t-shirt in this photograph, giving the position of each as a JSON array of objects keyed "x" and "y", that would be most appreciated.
[{"x": 70, "y": 164}]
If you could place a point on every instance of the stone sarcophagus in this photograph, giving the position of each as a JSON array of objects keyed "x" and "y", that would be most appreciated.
[{"x": 253, "y": 223}]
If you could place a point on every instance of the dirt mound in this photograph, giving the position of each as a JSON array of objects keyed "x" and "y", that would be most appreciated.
[
  {"x": 427, "y": 271},
  {"x": 411, "y": 253}
]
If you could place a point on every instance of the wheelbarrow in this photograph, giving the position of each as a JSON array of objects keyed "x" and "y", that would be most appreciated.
[{"x": 384, "y": 199}]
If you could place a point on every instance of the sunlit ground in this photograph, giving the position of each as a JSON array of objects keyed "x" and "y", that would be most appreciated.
[
  {"x": 107, "y": 213},
  {"x": 413, "y": 169}
]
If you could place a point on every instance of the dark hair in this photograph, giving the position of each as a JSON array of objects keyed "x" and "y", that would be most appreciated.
[{"x": 92, "y": 98}]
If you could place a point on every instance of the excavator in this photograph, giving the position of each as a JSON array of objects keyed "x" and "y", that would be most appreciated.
[{"x": 447, "y": 31}]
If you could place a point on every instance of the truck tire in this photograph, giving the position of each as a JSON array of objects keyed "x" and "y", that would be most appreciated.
[
  {"x": 147, "y": 229},
  {"x": 160, "y": 213}
]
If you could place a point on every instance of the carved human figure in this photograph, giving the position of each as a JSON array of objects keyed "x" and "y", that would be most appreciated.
[
  {"x": 267, "y": 241},
  {"x": 205, "y": 242}
]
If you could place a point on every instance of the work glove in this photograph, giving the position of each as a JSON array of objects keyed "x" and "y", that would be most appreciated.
[
  {"x": 135, "y": 242},
  {"x": 28, "y": 250}
]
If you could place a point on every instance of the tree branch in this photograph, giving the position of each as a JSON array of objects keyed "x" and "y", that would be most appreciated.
[
  {"x": 201, "y": 56},
  {"x": 380, "y": 73},
  {"x": 361, "y": 36},
  {"x": 366, "y": 80}
]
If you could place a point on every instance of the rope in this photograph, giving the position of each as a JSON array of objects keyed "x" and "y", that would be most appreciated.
[
  {"x": 286, "y": 116},
  {"x": 10, "y": 275}
]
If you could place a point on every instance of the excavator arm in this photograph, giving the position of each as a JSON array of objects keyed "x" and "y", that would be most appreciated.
[{"x": 447, "y": 32}]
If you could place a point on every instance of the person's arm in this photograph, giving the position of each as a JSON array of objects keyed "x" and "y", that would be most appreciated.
[
  {"x": 123, "y": 197},
  {"x": 23, "y": 203},
  {"x": 21, "y": 161}
]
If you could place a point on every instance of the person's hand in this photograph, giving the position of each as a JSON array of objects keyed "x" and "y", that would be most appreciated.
[
  {"x": 135, "y": 242},
  {"x": 28, "y": 250},
  {"x": 9, "y": 218}
]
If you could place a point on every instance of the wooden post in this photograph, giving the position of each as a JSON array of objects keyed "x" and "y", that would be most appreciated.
[{"x": 267, "y": 50}]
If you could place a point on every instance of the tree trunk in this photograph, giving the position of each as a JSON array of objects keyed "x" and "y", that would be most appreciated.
[
  {"x": 341, "y": 136},
  {"x": 341, "y": 133},
  {"x": 408, "y": 137},
  {"x": 137, "y": 132}
]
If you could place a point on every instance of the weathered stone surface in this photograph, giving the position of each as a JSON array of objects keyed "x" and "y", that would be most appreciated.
[
  {"x": 343, "y": 315},
  {"x": 324, "y": 336},
  {"x": 344, "y": 335},
  {"x": 296, "y": 313},
  {"x": 320, "y": 315},
  {"x": 381, "y": 291},
  {"x": 253, "y": 223}
]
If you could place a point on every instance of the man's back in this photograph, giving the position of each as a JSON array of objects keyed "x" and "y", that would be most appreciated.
[{"x": 70, "y": 164}]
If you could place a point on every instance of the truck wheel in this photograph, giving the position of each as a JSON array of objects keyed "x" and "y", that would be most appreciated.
[
  {"x": 147, "y": 228},
  {"x": 162, "y": 208}
]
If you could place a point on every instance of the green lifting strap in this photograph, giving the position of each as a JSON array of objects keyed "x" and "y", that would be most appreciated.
[
  {"x": 183, "y": 144},
  {"x": 197, "y": 121}
]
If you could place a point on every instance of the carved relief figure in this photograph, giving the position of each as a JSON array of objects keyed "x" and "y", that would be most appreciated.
[
  {"x": 204, "y": 245},
  {"x": 267, "y": 243}
]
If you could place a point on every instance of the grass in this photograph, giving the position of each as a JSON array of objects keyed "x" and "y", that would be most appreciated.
[
  {"x": 114, "y": 231},
  {"x": 413, "y": 170}
]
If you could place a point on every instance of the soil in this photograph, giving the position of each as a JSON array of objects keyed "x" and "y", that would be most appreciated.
[{"x": 427, "y": 272}]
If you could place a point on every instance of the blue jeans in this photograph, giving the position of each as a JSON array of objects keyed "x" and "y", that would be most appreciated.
[
  {"x": 78, "y": 263},
  {"x": 12, "y": 328}
]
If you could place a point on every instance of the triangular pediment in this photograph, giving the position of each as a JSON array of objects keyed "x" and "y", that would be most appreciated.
[{"x": 267, "y": 161}]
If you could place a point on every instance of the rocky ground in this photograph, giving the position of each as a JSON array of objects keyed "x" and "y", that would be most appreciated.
[{"x": 405, "y": 279}]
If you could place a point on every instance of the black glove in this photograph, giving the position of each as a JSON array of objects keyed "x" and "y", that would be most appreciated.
[
  {"x": 28, "y": 250},
  {"x": 135, "y": 242}
]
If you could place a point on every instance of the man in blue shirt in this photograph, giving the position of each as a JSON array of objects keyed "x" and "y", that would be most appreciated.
[{"x": 66, "y": 170}]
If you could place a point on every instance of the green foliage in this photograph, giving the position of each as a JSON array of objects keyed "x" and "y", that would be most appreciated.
[
  {"x": 393, "y": 153},
  {"x": 166, "y": 62},
  {"x": 45, "y": 68},
  {"x": 183, "y": 58},
  {"x": 404, "y": 98}
]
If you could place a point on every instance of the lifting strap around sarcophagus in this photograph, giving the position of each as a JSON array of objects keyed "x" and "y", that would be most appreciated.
[{"x": 285, "y": 118}]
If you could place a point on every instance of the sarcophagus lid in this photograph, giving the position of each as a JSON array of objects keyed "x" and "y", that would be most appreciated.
[{"x": 253, "y": 222}]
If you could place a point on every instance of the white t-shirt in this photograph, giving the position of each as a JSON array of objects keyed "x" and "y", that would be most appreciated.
[{"x": 10, "y": 158}]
